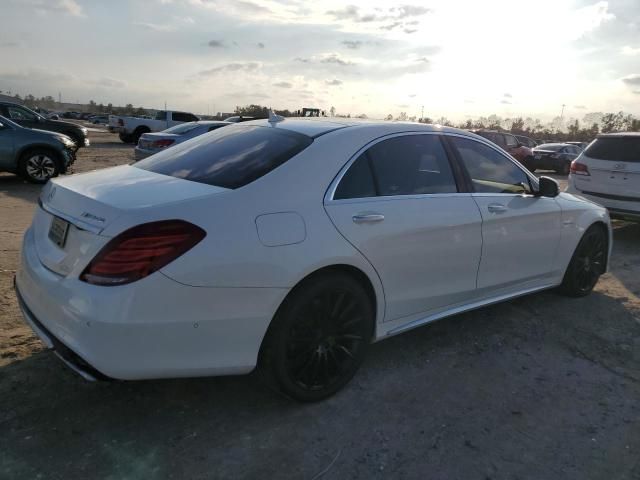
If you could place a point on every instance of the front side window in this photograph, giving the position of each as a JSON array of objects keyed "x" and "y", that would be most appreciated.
[
  {"x": 161, "y": 115},
  {"x": 490, "y": 171},
  {"x": 16, "y": 113},
  {"x": 230, "y": 157},
  {"x": 406, "y": 165}
]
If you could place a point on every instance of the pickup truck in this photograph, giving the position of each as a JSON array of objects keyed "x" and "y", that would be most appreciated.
[{"x": 131, "y": 128}]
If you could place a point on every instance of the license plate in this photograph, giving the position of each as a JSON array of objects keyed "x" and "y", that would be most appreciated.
[{"x": 58, "y": 231}]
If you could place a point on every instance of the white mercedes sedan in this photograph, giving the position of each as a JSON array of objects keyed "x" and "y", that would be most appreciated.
[{"x": 292, "y": 244}]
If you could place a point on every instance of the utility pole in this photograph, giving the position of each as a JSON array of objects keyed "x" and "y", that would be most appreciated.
[
  {"x": 562, "y": 111},
  {"x": 422, "y": 114}
]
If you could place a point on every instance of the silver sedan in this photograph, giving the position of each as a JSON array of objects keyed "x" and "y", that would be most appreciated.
[{"x": 150, "y": 143}]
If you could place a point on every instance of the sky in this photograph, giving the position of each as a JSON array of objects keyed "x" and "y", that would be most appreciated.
[{"x": 454, "y": 58}]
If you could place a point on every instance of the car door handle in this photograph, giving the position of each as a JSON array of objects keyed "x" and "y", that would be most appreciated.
[
  {"x": 497, "y": 208},
  {"x": 367, "y": 218}
]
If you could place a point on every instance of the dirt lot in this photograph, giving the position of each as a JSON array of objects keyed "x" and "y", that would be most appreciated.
[{"x": 543, "y": 387}]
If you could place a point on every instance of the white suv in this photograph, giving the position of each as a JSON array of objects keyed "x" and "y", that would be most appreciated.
[{"x": 608, "y": 173}]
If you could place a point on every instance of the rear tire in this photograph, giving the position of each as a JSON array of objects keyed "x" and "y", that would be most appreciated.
[
  {"x": 587, "y": 263},
  {"x": 39, "y": 165},
  {"x": 319, "y": 337},
  {"x": 125, "y": 138},
  {"x": 564, "y": 170},
  {"x": 138, "y": 133}
]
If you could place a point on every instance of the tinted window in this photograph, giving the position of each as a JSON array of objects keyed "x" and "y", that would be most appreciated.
[
  {"x": 16, "y": 113},
  {"x": 410, "y": 165},
  {"x": 161, "y": 115},
  {"x": 357, "y": 182},
  {"x": 183, "y": 117},
  {"x": 228, "y": 157},
  {"x": 511, "y": 141},
  {"x": 490, "y": 171},
  {"x": 214, "y": 127},
  {"x": 617, "y": 149}
]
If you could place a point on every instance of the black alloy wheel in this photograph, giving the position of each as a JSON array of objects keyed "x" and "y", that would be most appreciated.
[
  {"x": 320, "y": 337},
  {"x": 587, "y": 264}
]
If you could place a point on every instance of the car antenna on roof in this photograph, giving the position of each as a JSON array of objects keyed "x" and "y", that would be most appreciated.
[{"x": 273, "y": 118}]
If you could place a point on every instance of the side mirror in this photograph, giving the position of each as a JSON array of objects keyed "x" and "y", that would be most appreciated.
[{"x": 548, "y": 187}]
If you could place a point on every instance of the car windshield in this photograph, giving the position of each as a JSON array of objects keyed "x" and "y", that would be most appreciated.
[
  {"x": 620, "y": 149},
  {"x": 228, "y": 157},
  {"x": 182, "y": 128},
  {"x": 550, "y": 146}
]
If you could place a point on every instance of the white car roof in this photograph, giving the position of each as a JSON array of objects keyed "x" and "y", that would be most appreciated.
[{"x": 314, "y": 127}]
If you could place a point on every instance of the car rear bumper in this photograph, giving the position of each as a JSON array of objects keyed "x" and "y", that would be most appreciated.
[
  {"x": 153, "y": 328},
  {"x": 619, "y": 209}
]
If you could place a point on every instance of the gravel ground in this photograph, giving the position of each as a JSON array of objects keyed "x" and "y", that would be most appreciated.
[{"x": 542, "y": 387}]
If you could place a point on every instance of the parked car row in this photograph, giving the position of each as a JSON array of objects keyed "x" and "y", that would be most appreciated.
[{"x": 28, "y": 118}]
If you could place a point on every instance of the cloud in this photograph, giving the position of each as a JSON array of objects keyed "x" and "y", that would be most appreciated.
[
  {"x": 506, "y": 102},
  {"x": 637, "y": 92},
  {"x": 632, "y": 80},
  {"x": 627, "y": 50},
  {"x": 405, "y": 11},
  {"x": 283, "y": 85},
  {"x": 230, "y": 67},
  {"x": 350, "y": 12},
  {"x": 250, "y": 6},
  {"x": 260, "y": 45},
  {"x": 9, "y": 44},
  {"x": 412, "y": 95},
  {"x": 66, "y": 7},
  {"x": 391, "y": 26},
  {"x": 403, "y": 105},
  {"x": 337, "y": 60},
  {"x": 216, "y": 44},
  {"x": 580, "y": 107},
  {"x": 333, "y": 83},
  {"x": 352, "y": 44},
  {"x": 109, "y": 82},
  {"x": 508, "y": 95},
  {"x": 155, "y": 27},
  {"x": 410, "y": 30}
]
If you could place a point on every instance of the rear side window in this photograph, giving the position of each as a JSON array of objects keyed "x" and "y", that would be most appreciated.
[
  {"x": 406, "y": 165},
  {"x": 161, "y": 115},
  {"x": 183, "y": 117},
  {"x": 229, "y": 157},
  {"x": 182, "y": 128},
  {"x": 617, "y": 149}
]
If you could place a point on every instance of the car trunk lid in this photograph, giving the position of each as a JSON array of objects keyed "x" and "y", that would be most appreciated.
[{"x": 75, "y": 210}]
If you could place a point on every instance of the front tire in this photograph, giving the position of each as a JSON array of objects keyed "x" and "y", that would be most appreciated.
[
  {"x": 319, "y": 337},
  {"x": 39, "y": 165},
  {"x": 587, "y": 264}
]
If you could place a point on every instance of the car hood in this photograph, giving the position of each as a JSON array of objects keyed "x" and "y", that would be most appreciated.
[
  {"x": 49, "y": 134},
  {"x": 63, "y": 124}
]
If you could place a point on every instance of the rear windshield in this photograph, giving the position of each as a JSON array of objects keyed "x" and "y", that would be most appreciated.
[
  {"x": 182, "y": 128},
  {"x": 229, "y": 157},
  {"x": 619, "y": 149}
]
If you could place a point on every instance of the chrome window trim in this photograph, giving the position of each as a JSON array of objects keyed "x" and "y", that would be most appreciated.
[{"x": 328, "y": 197}]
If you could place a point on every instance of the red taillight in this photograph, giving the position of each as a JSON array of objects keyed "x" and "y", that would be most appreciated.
[
  {"x": 579, "y": 168},
  {"x": 164, "y": 143},
  {"x": 120, "y": 122},
  {"x": 140, "y": 251}
]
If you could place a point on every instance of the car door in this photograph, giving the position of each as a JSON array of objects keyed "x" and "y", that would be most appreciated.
[
  {"x": 7, "y": 148},
  {"x": 520, "y": 231},
  {"x": 401, "y": 205}
]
